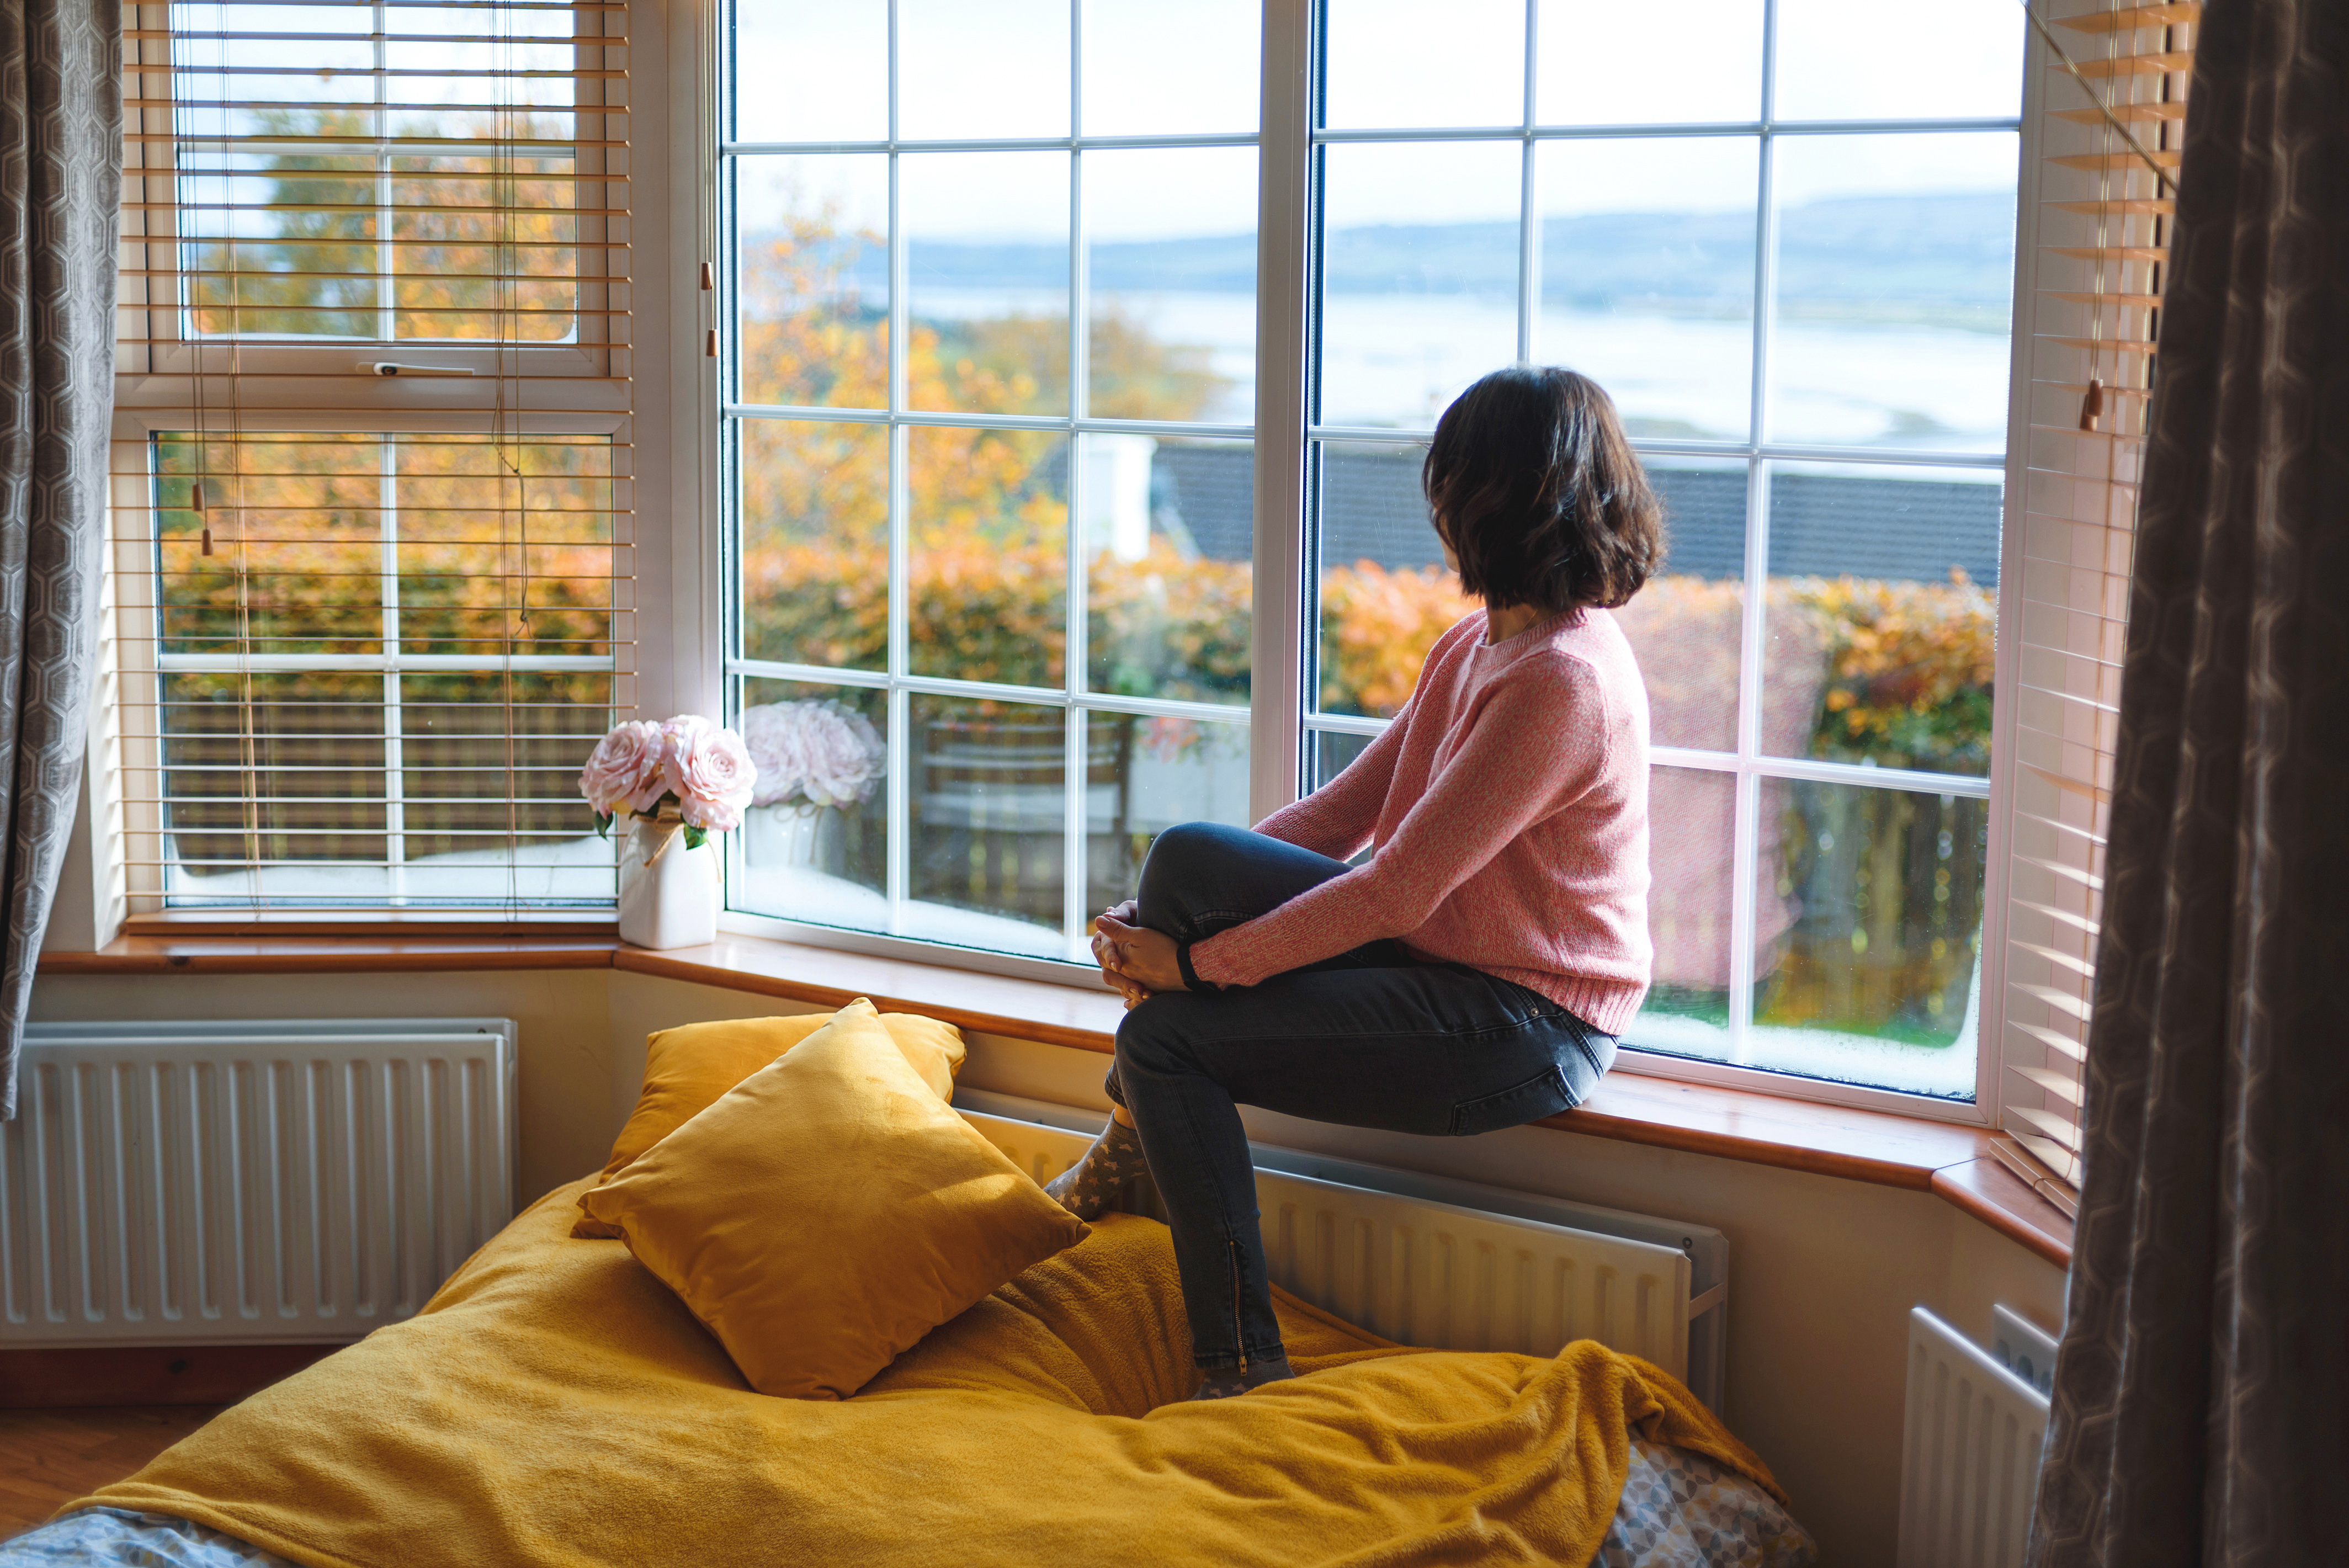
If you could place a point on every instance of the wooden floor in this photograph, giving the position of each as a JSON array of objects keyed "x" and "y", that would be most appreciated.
[{"x": 48, "y": 1458}]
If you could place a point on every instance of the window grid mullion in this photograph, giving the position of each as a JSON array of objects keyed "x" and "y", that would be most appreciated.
[
  {"x": 1528, "y": 217},
  {"x": 1283, "y": 576},
  {"x": 1074, "y": 753},
  {"x": 972, "y": 419},
  {"x": 898, "y": 785},
  {"x": 1745, "y": 853},
  {"x": 999, "y": 144},
  {"x": 1635, "y": 131}
]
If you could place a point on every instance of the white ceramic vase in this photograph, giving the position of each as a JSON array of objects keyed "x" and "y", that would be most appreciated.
[{"x": 669, "y": 893}]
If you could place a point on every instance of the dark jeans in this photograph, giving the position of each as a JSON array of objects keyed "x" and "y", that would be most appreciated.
[{"x": 1373, "y": 1037}]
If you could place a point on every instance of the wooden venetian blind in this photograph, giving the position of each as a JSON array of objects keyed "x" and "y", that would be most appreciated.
[
  {"x": 373, "y": 562},
  {"x": 2111, "y": 141}
]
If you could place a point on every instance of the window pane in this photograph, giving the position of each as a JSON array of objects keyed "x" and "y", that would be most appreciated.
[
  {"x": 811, "y": 294},
  {"x": 810, "y": 70},
  {"x": 993, "y": 71},
  {"x": 1145, "y": 78},
  {"x": 814, "y": 844},
  {"x": 1883, "y": 615},
  {"x": 1171, "y": 255},
  {"x": 987, "y": 800},
  {"x": 1647, "y": 277},
  {"x": 488, "y": 789},
  {"x": 492, "y": 561},
  {"x": 1686, "y": 624},
  {"x": 466, "y": 274},
  {"x": 347, "y": 204},
  {"x": 1143, "y": 775},
  {"x": 1714, "y": 47},
  {"x": 296, "y": 564},
  {"x": 988, "y": 554},
  {"x": 1419, "y": 277},
  {"x": 1168, "y": 533},
  {"x": 1692, "y": 857},
  {"x": 1895, "y": 287},
  {"x": 280, "y": 273},
  {"x": 988, "y": 233},
  {"x": 1396, "y": 63},
  {"x": 814, "y": 509},
  {"x": 1832, "y": 54},
  {"x": 1329, "y": 752},
  {"x": 1386, "y": 594},
  {"x": 302, "y": 816},
  {"x": 1868, "y": 925}
]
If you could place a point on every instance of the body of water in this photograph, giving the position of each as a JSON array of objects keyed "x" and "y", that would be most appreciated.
[{"x": 1397, "y": 359}]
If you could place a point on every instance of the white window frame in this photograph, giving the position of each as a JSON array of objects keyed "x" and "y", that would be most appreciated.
[
  {"x": 574, "y": 394},
  {"x": 1281, "y": 725}
]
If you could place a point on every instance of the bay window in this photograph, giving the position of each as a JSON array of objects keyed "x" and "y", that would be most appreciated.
[{"x": 991, "y": 327}]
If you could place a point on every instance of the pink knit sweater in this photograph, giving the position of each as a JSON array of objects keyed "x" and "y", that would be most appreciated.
[{"x": 1508, "y": 803}]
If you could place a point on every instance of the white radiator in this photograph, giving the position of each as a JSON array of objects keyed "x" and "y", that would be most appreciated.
[
  {"x": 248, "y": 1182},
  {"x": 1969, "y": 1453},
  {"x": 1438, "y": 1274}
]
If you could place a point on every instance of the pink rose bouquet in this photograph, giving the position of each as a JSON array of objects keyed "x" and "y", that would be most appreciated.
[{"x": 687, "y": 772}]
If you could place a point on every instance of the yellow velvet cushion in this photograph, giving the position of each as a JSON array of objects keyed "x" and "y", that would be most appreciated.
[
  {"x": 687, "y": 1069},
  {"x": 829, "y": 1211}
]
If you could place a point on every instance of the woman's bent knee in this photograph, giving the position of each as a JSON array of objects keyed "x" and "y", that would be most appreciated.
[
  {"x": 1150, "y": 1037},
  {"x": 1182, "y": 860}
]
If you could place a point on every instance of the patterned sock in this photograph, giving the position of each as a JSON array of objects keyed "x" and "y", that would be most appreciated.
[
  {"x": 1221, "y": 1383},
  {"x": 1086, "y": 1188},
  {"x": 1224, "y": 1382}
]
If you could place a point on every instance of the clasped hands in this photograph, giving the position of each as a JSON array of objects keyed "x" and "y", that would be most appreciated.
[{"x": 1134, "y": 960}]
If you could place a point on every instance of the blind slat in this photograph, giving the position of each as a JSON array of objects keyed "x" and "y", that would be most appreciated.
[
  {"x": 2083, "y": 967},
  {"x": 2060, "y": 1129},
  {"x": 2079, "y": 923},
  {"x": 2125, "y": 18},
  {"x": 2061, "y": 1086},
  {"x": 2058, "y": 1158},
  {"x": 2055, "y": 1040}
]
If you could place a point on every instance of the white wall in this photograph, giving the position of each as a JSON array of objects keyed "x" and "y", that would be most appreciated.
[{"x": 1823, "y": 1270}]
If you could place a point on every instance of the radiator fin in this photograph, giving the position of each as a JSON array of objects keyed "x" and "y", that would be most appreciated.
[
  {"x": 225, "y": 1182},
  {"x": 1433, "y": 1275},
  {"x": 1969, "y": 1453}
]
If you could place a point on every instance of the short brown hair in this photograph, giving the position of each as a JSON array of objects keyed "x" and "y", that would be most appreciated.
[{"x": 1532, "y": 483}]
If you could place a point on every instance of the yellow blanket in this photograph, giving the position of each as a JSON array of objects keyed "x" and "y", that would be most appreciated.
[{"x": 555, "y": 1405}]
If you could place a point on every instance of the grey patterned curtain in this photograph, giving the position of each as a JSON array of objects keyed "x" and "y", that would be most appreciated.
[
  {"x": 2201, "y": 1402},
  {"x": 60, "y": 195}
]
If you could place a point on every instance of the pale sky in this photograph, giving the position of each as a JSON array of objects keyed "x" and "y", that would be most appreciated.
[{"x": 1001, "y": 68}]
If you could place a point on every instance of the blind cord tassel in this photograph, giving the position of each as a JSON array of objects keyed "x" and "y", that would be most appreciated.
[
  {"x": 2092, "y": 407},
  {"x": 203, "y": 518}
]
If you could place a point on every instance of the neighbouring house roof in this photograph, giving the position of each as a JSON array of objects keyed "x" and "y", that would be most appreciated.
[{"x": 1822, "y": 525}]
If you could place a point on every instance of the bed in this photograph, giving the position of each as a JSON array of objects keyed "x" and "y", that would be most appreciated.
[{"x": 556, "y": 1406}]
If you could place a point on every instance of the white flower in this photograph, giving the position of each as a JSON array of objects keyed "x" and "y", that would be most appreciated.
[
  {"x": 625, "y": 772},
  {"x": 708, "y": 772}
]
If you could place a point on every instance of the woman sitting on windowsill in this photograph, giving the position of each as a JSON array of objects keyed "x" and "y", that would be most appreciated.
[{"x": 1474, "y": 973}]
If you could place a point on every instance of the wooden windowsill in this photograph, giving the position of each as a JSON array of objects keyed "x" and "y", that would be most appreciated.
[{"x": 1944, "y": 1157}]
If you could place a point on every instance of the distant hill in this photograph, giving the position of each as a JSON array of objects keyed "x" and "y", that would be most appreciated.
[{"x": 1943, "y": 253}]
